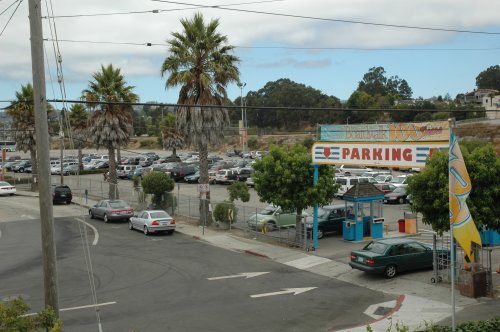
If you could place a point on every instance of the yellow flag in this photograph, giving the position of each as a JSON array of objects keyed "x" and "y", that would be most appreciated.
[{"x": 464, "y": 228}]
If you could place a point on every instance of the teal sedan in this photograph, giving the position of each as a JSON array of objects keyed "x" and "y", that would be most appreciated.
[{"x": 391, "y": 256}]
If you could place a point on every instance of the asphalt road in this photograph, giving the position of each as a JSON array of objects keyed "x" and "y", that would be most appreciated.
[{"x": 160, "y": 282}]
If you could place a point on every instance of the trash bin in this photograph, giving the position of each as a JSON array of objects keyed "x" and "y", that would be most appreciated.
[
  {"x": 377, "y": 228},
  {"x": 411, "y": 226},
  {"x": 401, "y": 225}
]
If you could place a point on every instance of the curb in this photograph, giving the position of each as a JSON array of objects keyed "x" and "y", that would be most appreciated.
[{"x": 254, "y": 253}]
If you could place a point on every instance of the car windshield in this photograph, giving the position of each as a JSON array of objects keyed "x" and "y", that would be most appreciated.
[
  {"x": 376, "y": 247},
  {"x": 341, "y": 181},
  {"x": 2, "y": 184},
  {"x": 118, "y": 204},
  {"x": 159, "y": 214},
  {"x": 323, "y": 213},
  {"x": 268, "y": 210},
  {"x": 380, "y": 177},
  {"x": 398, "y": 180},
  {"x": 400, "y": 190}
]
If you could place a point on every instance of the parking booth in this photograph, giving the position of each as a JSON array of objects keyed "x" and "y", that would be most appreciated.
[{"x": 364, "y": 218}]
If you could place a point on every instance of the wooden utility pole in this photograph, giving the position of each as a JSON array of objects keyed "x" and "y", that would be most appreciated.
[{"x": 42, "y": 146}]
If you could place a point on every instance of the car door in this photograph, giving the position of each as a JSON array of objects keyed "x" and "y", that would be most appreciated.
[
  {"x": 401, "y": 256},
  {"x": 286, "y": 218},
  {"x": 420, "y": 256},
  {"x": 140, "y": 220},
  {"x": 101, "y": 210},
  {"x": 336, "y": 218}
]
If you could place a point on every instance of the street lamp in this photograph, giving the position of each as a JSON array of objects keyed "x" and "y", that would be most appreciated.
[
  {"x": 242, "y": 128},
  {"x": 348, "y": 120}
]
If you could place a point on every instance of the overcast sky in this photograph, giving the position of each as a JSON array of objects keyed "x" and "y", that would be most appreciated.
[{"x": 316, "y": 49}]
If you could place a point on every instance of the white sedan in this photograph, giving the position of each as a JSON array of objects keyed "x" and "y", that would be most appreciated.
[
  {"x": 152, "y": 221},
  {"x": 6, "y": 188}
]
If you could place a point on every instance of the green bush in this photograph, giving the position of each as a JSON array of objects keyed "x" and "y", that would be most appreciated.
[
  {"x": 148, "y": 144},
  {"x": 253, "y": 143},
  {"x": 157, "y": 183},
  {"x": 12, "y": 318},
  {"x": 491, "y": 325},
  {"x": 222, "y": 214}
]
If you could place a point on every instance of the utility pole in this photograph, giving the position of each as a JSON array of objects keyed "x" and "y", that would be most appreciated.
[
  {"x": 242, "y": 126},
  {"x": 42, "y": 146}
]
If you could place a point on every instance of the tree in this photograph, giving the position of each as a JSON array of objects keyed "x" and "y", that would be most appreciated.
[
  {"x": 171, "y": 138},
  {"x": 13, "y": 317},
  {"x": 285, "y": 178},
  {"x": 110, "y": 124},
  {"x": 374, "y": 82},
  {"x": 157, "y": 183},
  {"x": 201, "y": 64},
  {"x": 489, "y": 78},
  {"x": 238, "y": 190},
  {"x": 22, "y": 112},
  {"x": 429, "y": 189},
  {"x": 79, "y": 122}
]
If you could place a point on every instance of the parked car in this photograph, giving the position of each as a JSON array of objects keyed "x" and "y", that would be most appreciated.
[
  {"x": 20, "y": 166},
  {"x": 102, "y": 165},
  {"x": 61, "y": 193},
  {"x": 71, "y": 169},
  {"x": 400, "y": 180},
  {"x": 193, "y": 178},
  {"x": 244, "y": 174},
  {"x": 383, "y": 178},
  {"x": 123, "y": 170},
  {"x": 398, "y": 195},
  {"x": 232, "y": 152},
  {"x": 249, "y": 182},
  {"x": 179, "y": 171},
  {"x": 354, "y": 169},
  {"x": 330, "y": 218},
  {"x": 211, "y": 176},
  {"x": 225, "y": 176},
  {"x": 110, "y": 210},
  {"x": 347, "y": 182},
  {"x": 391, "y": 256},
  {"x": 135, "y": 172},
  {"x": 6, "y": 188},
  {"x": 385, "y": 187},
  {"x": 8, "y": 165},
  {"x": 272, "y": 217},
  {"x": 152, "y": 221}
]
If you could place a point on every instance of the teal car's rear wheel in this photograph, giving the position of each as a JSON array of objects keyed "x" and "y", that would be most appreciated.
[{"x": 390, "y": 271}]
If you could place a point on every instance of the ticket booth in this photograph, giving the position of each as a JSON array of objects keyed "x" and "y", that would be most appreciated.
[{"x": 364, "y": 212}]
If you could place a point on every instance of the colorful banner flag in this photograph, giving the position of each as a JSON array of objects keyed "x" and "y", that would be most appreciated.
[{"x": 464, "y": 228}]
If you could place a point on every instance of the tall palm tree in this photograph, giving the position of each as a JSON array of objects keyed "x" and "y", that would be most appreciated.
[
  {"x": 110, "y": 124},
  {"x": 172, "y": 139},
  {"x": 22, "y": 112},
  {"x": 78, "y": 119},
  {"x": 201, "y": 64}
]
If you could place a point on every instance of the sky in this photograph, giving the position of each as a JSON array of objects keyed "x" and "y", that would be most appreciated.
[{"x": 313, "y": 42}]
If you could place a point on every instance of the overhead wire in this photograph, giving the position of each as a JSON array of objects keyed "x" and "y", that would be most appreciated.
[
  {"x": 12, "y": 4},
  {"x": 10, "y": 18},
  {"x": 399, "y": 26}
]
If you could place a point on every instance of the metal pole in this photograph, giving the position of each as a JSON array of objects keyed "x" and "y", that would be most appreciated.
[
  {"x": 452, "y": 242},
  {"x": 315, "y": 209},
  {"x": 241, "y": 86},
  {"x": 42, "y": 146},
  {"x": 61, "y": 136}
]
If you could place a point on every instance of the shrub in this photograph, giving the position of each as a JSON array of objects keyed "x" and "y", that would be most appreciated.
[
  {"x": 12, "y": 318},
  {"x": 222, "y": 214},
  {"x": 253, "y": 143},
  {"x": 157, "y": 183}
]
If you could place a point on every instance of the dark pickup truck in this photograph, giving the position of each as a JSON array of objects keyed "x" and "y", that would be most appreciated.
[{"x": 243, "y": 174}]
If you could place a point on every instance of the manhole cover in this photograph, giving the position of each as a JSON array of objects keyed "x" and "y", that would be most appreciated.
[{"x": 382, "y": 311}]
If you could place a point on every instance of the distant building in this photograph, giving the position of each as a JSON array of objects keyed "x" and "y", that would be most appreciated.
[
  {"x": 492, "y": 106},
  {"x": 476, "y": 96}
]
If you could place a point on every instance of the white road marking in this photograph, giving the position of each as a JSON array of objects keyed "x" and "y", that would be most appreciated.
[
  {"x": 96, "y": 234},
  {"x": 77, "y": 308},
  {"x": 239, "y": 275},
  {"x": 295, "y": 291}
]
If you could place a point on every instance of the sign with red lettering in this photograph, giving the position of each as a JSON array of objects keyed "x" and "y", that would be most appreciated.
[{"x": 377, "y": 154}]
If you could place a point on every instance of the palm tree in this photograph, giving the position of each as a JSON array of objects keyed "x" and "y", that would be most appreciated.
[
  {"x": 22, "y": 112},
  {"x": 201, "y": 64},
  {"x": 78, "y": 119},
  {"x": 172, "y": 139},
  {"x": 110, "y": 123}
]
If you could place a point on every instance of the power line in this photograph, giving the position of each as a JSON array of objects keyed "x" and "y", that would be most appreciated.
[
  {"x": 10, "y": 18},
  {"x": 12, "y": 4},
  {"x": 289, "y": 47},
  {"x": 153, "y": 11},
  {"x": 224, "y": 7}
]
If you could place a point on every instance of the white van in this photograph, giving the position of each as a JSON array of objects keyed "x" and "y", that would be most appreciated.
[
  {"x": 347, "y": 182},
  {"x": 122, "y": 171}
]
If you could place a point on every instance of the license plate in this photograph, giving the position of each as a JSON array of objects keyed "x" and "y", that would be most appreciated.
[
  {"x": 361, "y": 259},
  {"x": 63, "y": 195}
]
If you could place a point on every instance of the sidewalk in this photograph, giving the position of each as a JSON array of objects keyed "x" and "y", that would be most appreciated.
[{"x": 419, "y": 301}]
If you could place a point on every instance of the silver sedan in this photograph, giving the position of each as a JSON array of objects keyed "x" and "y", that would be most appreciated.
[
  {"x": 152, "y": 221},
  {"x": 111, "y": 210}
]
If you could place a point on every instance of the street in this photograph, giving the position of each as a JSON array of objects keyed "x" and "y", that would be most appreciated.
[{"x": 161, "y": 282}]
